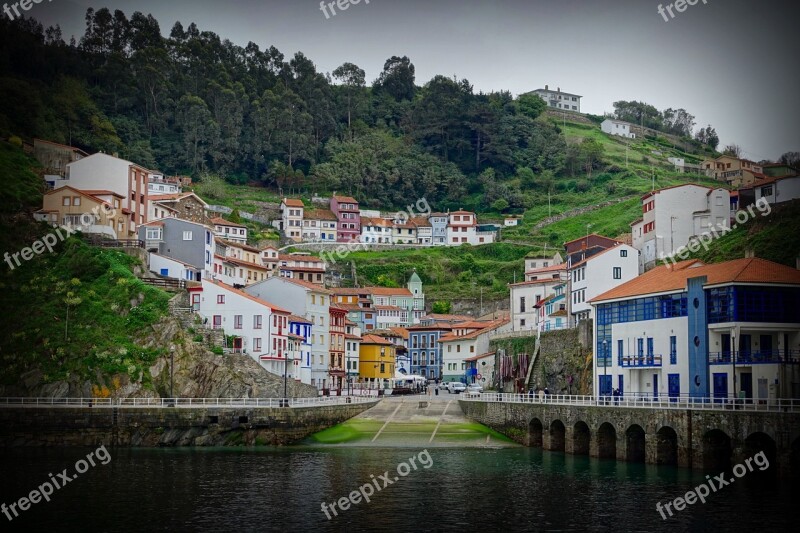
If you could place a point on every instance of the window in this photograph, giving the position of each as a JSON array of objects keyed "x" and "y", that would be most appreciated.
[
  {"x": 76, "y": 200},
  {"x": 522, "y": 323},
  {"x": 237, "y": 322},
  {"x": 220, "y": 298},
  {"x": 153, "y": 234},
  {"x": 257, "y": 321},
  {"x": 617, "y": 272},
  {"x": 257, "y": 345},
  {"x": 187, "y": 235},
  {"x": 67, "y": 200},
  {"x": 766, "y": 191},
  {"x": 623, "y": 253},
  {"x": 673, "y": 350},
  {"x": 522, "y": 304}
]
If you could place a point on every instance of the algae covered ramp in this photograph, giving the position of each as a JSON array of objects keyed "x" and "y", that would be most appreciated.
[{"x": 413, "y": 421}]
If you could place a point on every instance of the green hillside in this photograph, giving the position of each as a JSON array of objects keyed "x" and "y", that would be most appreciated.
[{"x": 75, "y": 312}]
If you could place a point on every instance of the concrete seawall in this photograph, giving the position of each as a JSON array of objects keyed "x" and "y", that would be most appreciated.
[{"x": 156, "y": 426}]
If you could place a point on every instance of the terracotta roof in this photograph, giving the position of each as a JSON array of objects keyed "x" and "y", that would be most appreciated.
[
  {"x": 767, "y": 181},
  {"x": 388, "y": 308},
  {"x": 388, "y": 291},
  {"x": 70, "y": 148},
  {"x": 299, "y": 319},
  {"x": 462, "y": 213},
  {"x": 242, "y": 262},
  {"x": 374, "y": 339},
  {"x": 351, "y": 336},
  {"x": 101, "y": 192},
  {"x": 536, "y": 282},
  {"x": 348, "y": 307},
  {"x": 248, "y": 296},
  {"x": 440, "y": 316},
  {"x": 222, "y": 222},
  {"x": 551, "y": 268},
  {"x": 349, "y": 291},
  {"x": 433, "y": 327},
  {"x": 489, "y": 327},
  {"x": 378, "y": 222},
  {"x": 592, "y": 235},
  {"x": 421, "y": 221},
  {"x": 293, "y": 202},
  {"x": 319, "y": 214},
  {"x": 345, "y": 199},
  {"x": 403, "y": 332},
  {"x": 481, "y": 356},
  {"x": 672, "y": 278},
  {"x": 79, "y": 191}
]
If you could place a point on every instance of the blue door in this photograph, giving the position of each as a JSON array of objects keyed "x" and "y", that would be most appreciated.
[
  {"x": 674, "y": 381},
  {"x": 720, "y": 387},
  {"x": 165, "y": 272},
  {"x": 605, "y": 385},
  {"x": 655, "y": 385}
]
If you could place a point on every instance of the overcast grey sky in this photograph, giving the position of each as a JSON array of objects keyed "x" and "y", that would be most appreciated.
[{"x": 731, "y": 63}]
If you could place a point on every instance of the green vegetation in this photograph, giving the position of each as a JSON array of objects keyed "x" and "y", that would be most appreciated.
[
  {"x": 83, "y": 311},
  {"x": 446, "y": 272},
  {"x": 75, "y": 312},
  {"x": 775, "y": 237}
]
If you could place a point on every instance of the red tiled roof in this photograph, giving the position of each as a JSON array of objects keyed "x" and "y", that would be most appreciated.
[
  {"x": 551, "y": 268},
  {"x": 319, "y": 214},
  {"x": 302, "y": 269},
  {"x": 481, "y": 356},
  {"x": 536, "y": 282},
  {"x": 374, "y": 339},
  {"x": 598, "y": 254},
  {"x": 489, "y": 327},
  {"x": 388, "y": 291},
  {"x": 222, "y": 222},
  {"x": 305, "y": 284},
  {"x": 671, "y": 278},
  {"x": 293, "y": 202},
  {"x": 70, "y": 148},
  {"x": 345, "y": 200},
  {"x": 299, "y": 319},
  {"x": 101, "y": 192}
]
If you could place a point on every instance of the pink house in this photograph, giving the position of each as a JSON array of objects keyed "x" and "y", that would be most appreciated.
[{"x": 349, "y": 220}]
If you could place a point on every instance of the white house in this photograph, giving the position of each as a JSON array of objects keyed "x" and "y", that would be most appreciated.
[
  {"x": 687, "y": 329},
  {"x": 259, "y": 328},
  {"x": 230, "y": 231},
  {"x": 681, "y": 165},
  {"x": 376, "y": 230},
  {"x": 597, "y": 274},
  {"x": 559, "y": 100},
  {"x": 778, "y": 190},
  {"x": 311, "y": 302},
  {"x": 465, "y": 341},
  {"x": 673, "y": 216},
  {"x": 319, "y": 225},
  {"x": 525, "y": 297},
  {"x": 157, "y": 183},
  {"x": 617, "y": 127},
  {"x": 173, "y": 268},
  {"x": 292, "y": 218},
  {"x": 462, "y": 228}
]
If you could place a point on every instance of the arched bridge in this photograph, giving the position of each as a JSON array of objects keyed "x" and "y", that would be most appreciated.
[{"x": 694, "y": 433}]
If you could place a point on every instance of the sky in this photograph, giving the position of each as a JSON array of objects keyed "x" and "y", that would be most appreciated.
[{"x": 731, "y": 63}]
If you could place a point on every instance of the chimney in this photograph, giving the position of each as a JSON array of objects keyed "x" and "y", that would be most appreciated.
[
  {"x": 546, "y": 87},
  {"x": 559, "y": 89}
]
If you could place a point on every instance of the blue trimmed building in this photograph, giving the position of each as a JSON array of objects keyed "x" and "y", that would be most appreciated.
[{"x": 691, "y": 329}]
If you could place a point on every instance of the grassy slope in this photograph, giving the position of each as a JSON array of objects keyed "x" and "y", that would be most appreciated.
[{"x": 109, "y": 306}]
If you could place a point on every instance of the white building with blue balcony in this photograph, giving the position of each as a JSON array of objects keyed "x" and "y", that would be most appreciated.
[{"x": 724, "y": 330}]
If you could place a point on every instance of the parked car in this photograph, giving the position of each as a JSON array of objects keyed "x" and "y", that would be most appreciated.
[
  {"x": 474, "y": 388},
  {"x": 455, "y": 387},
  {"x": 442, "y": 385}
]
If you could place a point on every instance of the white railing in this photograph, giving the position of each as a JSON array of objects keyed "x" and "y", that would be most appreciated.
[
  {"x": 682, "y": 402},
  {"x": 183, "y": 402}
]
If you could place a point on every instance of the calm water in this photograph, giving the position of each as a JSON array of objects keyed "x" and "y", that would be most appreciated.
[{"x": 516, "y": 489}]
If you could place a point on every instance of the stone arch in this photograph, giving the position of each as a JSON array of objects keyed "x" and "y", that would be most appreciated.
[
  {"x": 666, "y": 446},
  {"x": 535, "y": 430},
  {"x": 557, "y": 432},
  {"x": 581, "y": 438},
  {"x": 634, "y": 444},
  {"x": 606, "y": 441},
  {"x": 717, "y": 450},
  {"x": 759, "y": 442}
]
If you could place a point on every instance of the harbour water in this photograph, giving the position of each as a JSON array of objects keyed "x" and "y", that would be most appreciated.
[{"x": 282, "y": 489}]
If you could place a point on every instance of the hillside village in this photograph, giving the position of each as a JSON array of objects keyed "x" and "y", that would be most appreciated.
[{"x": 284, "y": 309}]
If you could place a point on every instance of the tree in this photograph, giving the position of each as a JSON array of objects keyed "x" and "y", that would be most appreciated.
[
  {"x": 500, "y": 205},
  {"x": 791, "y": 159},
  {"x": 353, "y": 81},
  {"x": 397, "y": 79},
  {"x": 441, "y": 307},
  {"x": 235, "y": 217},
  {"x": 708, "y": 136},
  {"x": 531, "y": 105},
  {"x": 733, "y": 150},
  {"x": 678, "y": 122}
]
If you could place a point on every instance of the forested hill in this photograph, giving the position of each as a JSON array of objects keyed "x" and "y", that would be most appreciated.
[{"x": 195, "y": 103}]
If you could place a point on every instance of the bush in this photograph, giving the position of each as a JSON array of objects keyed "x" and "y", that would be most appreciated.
[{"x": 217, "y": 350}]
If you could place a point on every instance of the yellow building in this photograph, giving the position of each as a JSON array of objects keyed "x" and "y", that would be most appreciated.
[{"x": 376, "y": 361}]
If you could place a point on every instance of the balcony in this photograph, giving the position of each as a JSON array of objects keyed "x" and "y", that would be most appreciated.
[
  {"x": 640, "y": 361},
  {"x": 755, "y": 357}
]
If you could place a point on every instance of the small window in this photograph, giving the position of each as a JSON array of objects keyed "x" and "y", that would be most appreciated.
[
  {"x": 187, "y": 235},
  {"x": 220, "y": 298},
  {"x": 623, "y": 253},
  {"x": 617, "y": 273},
  {"x": 67, "y": 200}
]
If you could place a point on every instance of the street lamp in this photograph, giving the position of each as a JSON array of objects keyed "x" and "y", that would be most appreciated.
[{"x": 733, "y": 365}]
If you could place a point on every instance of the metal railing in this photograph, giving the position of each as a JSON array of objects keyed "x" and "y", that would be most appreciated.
[
  {"x": 755, "y": 357},
  {"x": 165, "y": 283},
  {"x": 683, "y": 402},
  {"x": 124, "y": 243},
  {"x": 319, "y": 401},
  {"x": 639, "y": 361}
]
